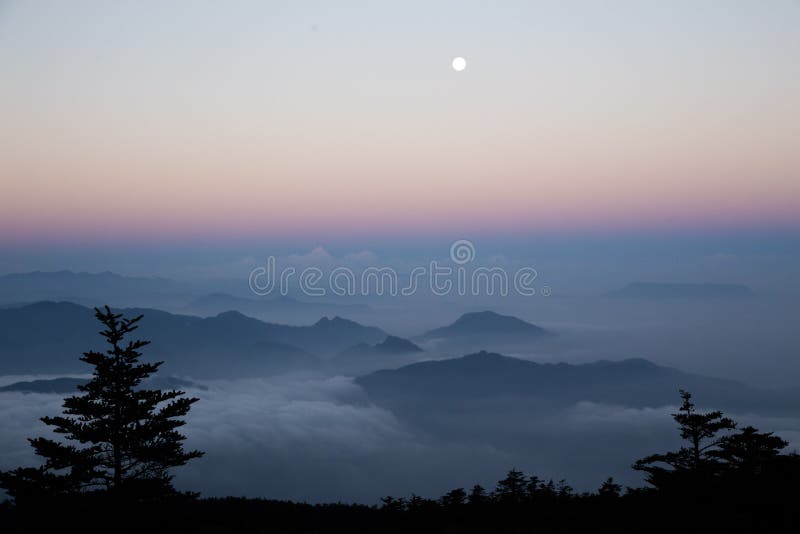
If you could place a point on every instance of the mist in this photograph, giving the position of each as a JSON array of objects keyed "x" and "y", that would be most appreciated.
[{"x": 322, "y": 440}]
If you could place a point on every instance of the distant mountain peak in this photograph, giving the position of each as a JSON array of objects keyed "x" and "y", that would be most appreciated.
[
  {"x": 487, "y": 322},
  {"x": 485, "y": 354},
  {"x": 233, "y": 314},
  {"x": 388, "y": 350},
  {"x": 489, "y": 318},
  {"x": 397, "y": 345},
  {"x": 481, "y": 314},
  {"x": 335, "y": 321}
]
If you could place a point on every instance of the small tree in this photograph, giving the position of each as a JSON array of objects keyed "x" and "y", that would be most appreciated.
[
  {"x": 454, "y": 498},
  {"x": 125, "y": 436},
  {"x": 392, "y": 505},
  {"x": 534, "y": 486},
  {"x": 609, "y": 489},
  {"x": 477, "y": 495},
  {"x": 512, "y": 489}
]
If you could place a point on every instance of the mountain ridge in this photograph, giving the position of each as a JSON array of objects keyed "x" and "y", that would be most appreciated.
[
  {"x": 634, "y": 382},
  {"x": 50, "y": 336}
]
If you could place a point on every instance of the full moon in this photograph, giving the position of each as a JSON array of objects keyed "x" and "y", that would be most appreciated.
[{"x": 459, "y": 64}]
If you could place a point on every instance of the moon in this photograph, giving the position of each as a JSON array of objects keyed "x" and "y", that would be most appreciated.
[{"x": 459, "y": 64}]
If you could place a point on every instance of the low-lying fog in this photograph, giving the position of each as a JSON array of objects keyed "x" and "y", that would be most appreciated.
[
  {"x": 752, "y": 339},
  {"x": 322, "y": 440}
]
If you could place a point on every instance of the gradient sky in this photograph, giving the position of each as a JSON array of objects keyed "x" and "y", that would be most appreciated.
[{"x": 178, "y": 120}]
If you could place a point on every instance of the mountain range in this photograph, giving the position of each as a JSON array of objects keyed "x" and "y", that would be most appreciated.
[
  {"x": 199, "y": 297},
  {"x": 215, "y": 303},
  {"x": 90, "y": 288},
  {"x": 70, "y": 384},
  {"x": 488, "y": 379},
  {"x": 48, "y": 337}
]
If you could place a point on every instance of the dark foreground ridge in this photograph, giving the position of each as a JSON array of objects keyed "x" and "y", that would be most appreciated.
[{"x": 519, "y": 504}]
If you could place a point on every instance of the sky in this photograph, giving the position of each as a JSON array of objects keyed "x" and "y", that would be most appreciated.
[{"x": 165, "y": 122}]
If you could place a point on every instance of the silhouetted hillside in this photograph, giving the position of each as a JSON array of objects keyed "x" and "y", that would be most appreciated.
[
  {"x": 70, "y": 385},
  {"x": 484, "y": 330},
  {"x": 328, "y": 336},
  {"x": 53, "y": 385},
  {"x": 390, "y": 353},
  {"x": 483, "y": 323},
  {"x": 89, "y": 288},
  {"x": 200, "y": 297},
  {"x": 216, "y": 303},
  {"x": 46, "y": 337},
  {"x": 396, "y": 345},
  {"x": 481, "y": 378}
]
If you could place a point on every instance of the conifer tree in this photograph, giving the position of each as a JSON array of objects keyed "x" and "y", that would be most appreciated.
[
  {"x": 454, "y": 498},
  {"x": 748, "y": 449},
  {"x": 512, "y": 489},
  {"x": 698, "y": 460},
  {"x": 118, "y": 437},
  {"x": 477, "y": 495},
  {"x": 609, "y": 489}
]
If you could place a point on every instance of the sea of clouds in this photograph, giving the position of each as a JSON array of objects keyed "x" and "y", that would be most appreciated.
[{"x": 323, "y": 440}]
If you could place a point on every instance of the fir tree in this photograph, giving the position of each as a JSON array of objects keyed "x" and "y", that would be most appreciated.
[{"x": 119, "y": 438}]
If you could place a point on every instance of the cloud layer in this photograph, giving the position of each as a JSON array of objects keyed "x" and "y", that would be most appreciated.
[{"x": 322, "y": 440}]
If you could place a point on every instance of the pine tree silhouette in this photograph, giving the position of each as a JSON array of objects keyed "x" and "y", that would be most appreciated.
[
  {"x": 512, "y": 489},
  {"x": 697, "y": 463},
  {"x": 454, "y": 498},
  {"x": 477, "y": 495},
  {"x": 748, "y": 449},
  {"x": 124, "y": 437},
  {"x": 609, "y": 489}
]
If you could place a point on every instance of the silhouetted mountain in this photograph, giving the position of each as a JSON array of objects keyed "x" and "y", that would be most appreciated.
[
  {"x": 483, "y": 323},
  {"x": 54, "y": 385},
  {"x": 390, "y": 345},
  {"x": 200, "y": 297},
  {"x": 70, "y": 385},
  {"x": 219, "y": 302},
  {"x": 329, "y": 336},
  {"x": 488, "y": 379},
  {"x": 48, "y": 337},
  {"x": 396, "y": 345},
  {"x": 640, "y": 290},
  {"x": 482, "y": 330},
  {"x": 90, "y": 288},
  {"x": 362, "y": 358}
]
